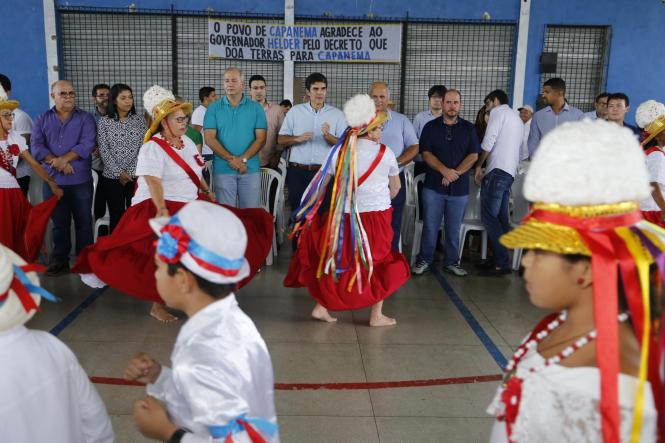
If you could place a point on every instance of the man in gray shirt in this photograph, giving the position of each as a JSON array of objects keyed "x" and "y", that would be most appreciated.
[{"x": 555, "y": 113}]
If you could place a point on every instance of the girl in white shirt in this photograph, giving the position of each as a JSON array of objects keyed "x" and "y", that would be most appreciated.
[
  {"x": 23, "y": 226},
  {"x": 589, "y": 371},
  {"x": 358, "y": 223}
]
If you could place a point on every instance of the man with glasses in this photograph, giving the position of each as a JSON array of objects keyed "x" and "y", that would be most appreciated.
[
  {"x": 235, "y": 129},
  {"x": 501, "y": 148},
  {"x": 100, "y": 99},
  {"x": 62, "y": 140},
  {"x": 449, "y": 146},
  {"x": 398, "y": 134},
  {"x": 600, "y": 105},
  {"x": 22, "y": 124}
]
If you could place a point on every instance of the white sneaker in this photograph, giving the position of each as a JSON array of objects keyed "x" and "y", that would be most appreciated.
[
  {"x": 455, "y": 270},
  {"x": 420, "y": 268}
]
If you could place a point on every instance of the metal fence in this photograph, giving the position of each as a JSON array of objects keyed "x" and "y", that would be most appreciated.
[
  {"x": 582, "y": 56},
  {"x": 170, "y": 48}
]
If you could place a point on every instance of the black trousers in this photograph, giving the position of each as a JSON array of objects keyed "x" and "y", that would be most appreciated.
[
  {"x": 24, "y": 183},
  {"x": 118, "y": 198}
]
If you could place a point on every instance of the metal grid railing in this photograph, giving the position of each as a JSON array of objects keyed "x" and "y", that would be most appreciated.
[
  {"x": 170, "y": 48},
  {"x": 581, "y": 61}
]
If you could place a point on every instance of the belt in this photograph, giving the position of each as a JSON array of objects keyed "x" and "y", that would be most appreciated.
[{"x": 305, "y": 167}]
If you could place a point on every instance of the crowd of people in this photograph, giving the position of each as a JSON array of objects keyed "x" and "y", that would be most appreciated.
[{"x": 594, "y": 244}]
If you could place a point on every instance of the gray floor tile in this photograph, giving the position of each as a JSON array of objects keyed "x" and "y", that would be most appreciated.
[
  {"x": 125, "y": 431},
  {"x": 328, "y": 429},
  {"x": 316, "y": 362},
  {"x": 350, "y": 403},
  {"x": 433, "y": 430}
]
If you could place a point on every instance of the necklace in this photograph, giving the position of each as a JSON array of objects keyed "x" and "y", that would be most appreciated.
[
  {"x": 512, "y": 384},
  {"x": 177, "y": 144}
]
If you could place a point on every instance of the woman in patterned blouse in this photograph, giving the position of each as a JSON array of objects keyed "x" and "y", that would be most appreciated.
[{"x": 119, "y": 136}]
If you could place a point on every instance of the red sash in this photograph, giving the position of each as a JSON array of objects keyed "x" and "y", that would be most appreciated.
[
  {"x": 180, "y": 162},
  {"x": 373, "y": 166}
]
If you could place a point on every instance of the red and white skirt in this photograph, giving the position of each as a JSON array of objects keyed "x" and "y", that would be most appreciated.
[
  {"x": 391, "y": 269},
  {"x": 124, "y": 260},
  {"x": 23, "y": 226}
]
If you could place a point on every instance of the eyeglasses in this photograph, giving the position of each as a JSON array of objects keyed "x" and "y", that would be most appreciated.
[
  {"x": 9, "y": 116},
  {"x": 65, "y": 94},
  {"x": 182, "y": 119}
]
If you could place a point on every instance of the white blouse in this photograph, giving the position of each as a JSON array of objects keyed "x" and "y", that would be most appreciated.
[
  {"x": 561, "y": 404},
  {"x": 155, "y": 162},
  {"x": 7, "y": 180}
]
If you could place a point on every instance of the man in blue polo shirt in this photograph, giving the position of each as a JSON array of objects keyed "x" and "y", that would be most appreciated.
[
  {"x": 398, "y": 134},
  {"x": 309, "y": 131},
  {"x": 449, "y": 145},
  {"x": 235, "y": 129}
]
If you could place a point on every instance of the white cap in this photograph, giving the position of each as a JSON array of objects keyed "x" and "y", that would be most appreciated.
[
  {"x": 154, "y": 96},
  {"x": 647, "y": 112},
  {"x": 12, "y": 311},
  {"x": 587, "y": 163},
  {"x": 214, "y": 254},
  {"x": 527, "y": 107}
]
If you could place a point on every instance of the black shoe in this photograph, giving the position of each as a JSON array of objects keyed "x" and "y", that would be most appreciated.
[
  {"x": 55, "y": 269},
  {"x": 494, "y": 272},
  {"x": 486, "y": 264}
]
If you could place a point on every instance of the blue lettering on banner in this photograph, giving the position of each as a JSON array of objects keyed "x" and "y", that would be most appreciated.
[{"x": 343, "y": 55}]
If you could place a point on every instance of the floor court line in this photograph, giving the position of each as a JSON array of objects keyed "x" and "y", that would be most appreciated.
[
  {"x": 77, "y": 311},
  {"x": 341, "y": 386},
  {"x": 491, "y": 347}
]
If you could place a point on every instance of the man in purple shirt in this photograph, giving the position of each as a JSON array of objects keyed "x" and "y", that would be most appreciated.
[{"x": 62, "y": 140}]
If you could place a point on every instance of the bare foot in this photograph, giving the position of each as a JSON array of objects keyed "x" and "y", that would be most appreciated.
[
  {"x": 159, "y": 312},
  {"x": 321, "y": 313},
  {"x": 382, "y": 321}
]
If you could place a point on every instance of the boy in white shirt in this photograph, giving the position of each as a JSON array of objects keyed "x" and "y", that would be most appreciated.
[{"x": 221, "y": 382}]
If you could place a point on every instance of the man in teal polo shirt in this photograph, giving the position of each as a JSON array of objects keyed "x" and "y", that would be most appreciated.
[{"x": 235, "y": 129}]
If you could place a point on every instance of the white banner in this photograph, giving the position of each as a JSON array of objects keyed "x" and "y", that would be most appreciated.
[{"x": 305, "y": 43}]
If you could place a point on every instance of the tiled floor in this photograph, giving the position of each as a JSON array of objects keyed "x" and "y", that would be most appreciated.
[{"x": 432, "y": 340}]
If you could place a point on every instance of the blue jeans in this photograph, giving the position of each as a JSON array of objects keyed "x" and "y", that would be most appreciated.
[
  {"x": 243, "y": 188},
  {"x": 494, "y": 197},
  {"x": 397, "y": 204},
  {"x": 437, "y": 208},
  {"x": 75, "y": 203}
]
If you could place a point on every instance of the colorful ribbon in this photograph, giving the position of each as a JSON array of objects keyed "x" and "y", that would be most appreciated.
[
  {"x": 247, "y": 424},
  {"x": 23, "y": 287},
  {"x": 175, "y": 242}
]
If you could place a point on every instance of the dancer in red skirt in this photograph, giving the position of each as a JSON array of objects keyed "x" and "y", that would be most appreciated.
[
  {"x": 344, "y": 256},
  {"x": 650, "y": 116},
  {"x": 169, "y": 175},
  {"x": 22, "y": 226}
]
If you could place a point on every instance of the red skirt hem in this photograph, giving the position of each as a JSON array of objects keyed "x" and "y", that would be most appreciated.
[
  {"x": 23, "y": 226},
  {"x": 124, "y": 260},
  {"x": 391, "y": 269},
  {"x": 654, "y": 217}
]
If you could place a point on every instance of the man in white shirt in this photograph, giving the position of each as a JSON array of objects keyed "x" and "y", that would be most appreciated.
[
  {"x": 600, "y": 111},
  {"x": 22, "y": 124},
  {"x": 501, "y": 148},
  {"x": 526, "y": 112},
  {"x": 46, "y": 395},
  {"x": 308, "y": 131},
  {"x": 207, "y": 96}
]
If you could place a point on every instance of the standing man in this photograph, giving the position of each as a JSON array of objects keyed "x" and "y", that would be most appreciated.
[
  {"x": 207, "y": 96},
  {"x": 601, "y": 108},
  {"x": 449, "y": 145},
  {"x": 100, "y": 99},
  {"x": 235, "y": 129},
  {"x": 501, "y": 148},
  {"x": 309, "y": 130},
  {"x": 271, "y": 152},
  {"x": 435, "y": 97},
  {"x": 62, "y": 140},
  {"x": 618, "y": 105},
  {"x": 399, "y": 135},
  {"x": 526, "y": 113},
  {"x": 22, "y": 124},
  {"x": 555, "y": 113}
]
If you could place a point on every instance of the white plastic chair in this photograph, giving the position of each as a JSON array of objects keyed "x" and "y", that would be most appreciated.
[
  {"x": 270, "y": 202},
  {"x": 520, "y": 210},
  {"x": 408, "y": 213},
  {"x": 417, "y": 222},
  {"x": 106, "y": 219},
  {"x": 281, "y": 217},
  {"x": 471, "y": 220}
]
